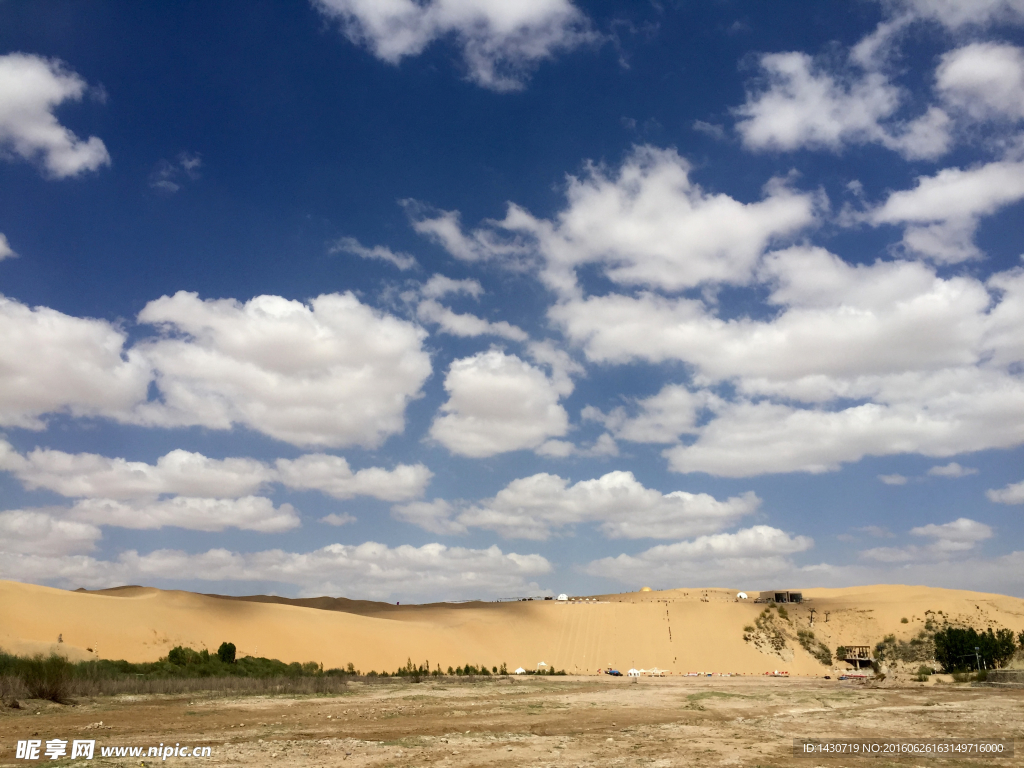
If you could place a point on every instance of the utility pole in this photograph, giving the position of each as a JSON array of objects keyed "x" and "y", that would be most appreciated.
[
  {"x": 812, "y": 617},
  {"x": 977, "y": 656}
]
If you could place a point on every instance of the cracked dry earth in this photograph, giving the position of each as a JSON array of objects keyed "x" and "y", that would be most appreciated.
[{"x": 535, "y": 722}]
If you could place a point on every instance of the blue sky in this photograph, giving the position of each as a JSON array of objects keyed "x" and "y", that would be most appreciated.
[{"x": 453, "y": 299}]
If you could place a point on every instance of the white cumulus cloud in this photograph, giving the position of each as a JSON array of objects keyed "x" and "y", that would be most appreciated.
[
  {"x": 948, "y": 540},
  {"x": 31, "y": 88},
  {"x": 985, "y": 80},
  {"x": 86, "y": 370},
  {"x": 333, "y": 372},
  {"x": 89, "y": 475},
  {"x": 498, "y": 403},
  {"x": 957, "y": 14},
  {"x": 465, "y": 324},
  {"x": 942, "y": 211},
  {"x": 205, "y": 494},
  {"x": 800, "y": 105},
  {"x": 501, "y": 42},
  {"x": 333, "y": 476},
  {"x": 835, "y": 322},
  {"x": 933, "y": 361},
  {"x": 752, "y": 553},
  {"x": 252, "y": 513},
  {"x": 646, "y": 224},
  {"x": 370, "y": 570},
  {"x": 6, "y": 252},
  {"x": 952, "y": 470},
  {"x": 38, "y": 532},
  {"x": 535, "y": 507},
  {"x": 1010, "y": 494},
  {"x": 661, "y": 418}
]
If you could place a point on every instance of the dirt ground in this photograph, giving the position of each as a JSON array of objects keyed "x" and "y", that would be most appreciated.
[{"x": 741, "y": 721}]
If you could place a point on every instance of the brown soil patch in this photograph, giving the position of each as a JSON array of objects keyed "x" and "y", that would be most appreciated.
[{"x": 743, "y": 721}]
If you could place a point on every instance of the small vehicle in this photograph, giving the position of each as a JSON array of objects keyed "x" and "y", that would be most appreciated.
[{"x": 614, "y": 673}]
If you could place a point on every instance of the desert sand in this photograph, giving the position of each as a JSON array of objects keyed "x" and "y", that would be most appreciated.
[{"x": 680, "y": 631}]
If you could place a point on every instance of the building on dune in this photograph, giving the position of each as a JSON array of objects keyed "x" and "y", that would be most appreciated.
[{"x": 780, "y": 596}]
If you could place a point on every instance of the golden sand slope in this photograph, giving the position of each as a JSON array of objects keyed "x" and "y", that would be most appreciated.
[{"x": 678, "y": 630}]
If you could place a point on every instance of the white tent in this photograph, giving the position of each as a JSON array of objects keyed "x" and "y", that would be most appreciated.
[
  {"x": 655, "y": 672},
  {"x": 541, "y": 664},
  {"x": 741, "y": 596},
  {"x": 633, "y": 673},
  {"x": 520, "y": 671},
  {"x": 563, "y": 596}
]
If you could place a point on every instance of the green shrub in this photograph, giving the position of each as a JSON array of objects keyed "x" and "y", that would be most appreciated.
[
  {"x": 48, "y": 677},
  {"x": 183, "y": 657},
  {"x": 904, "y": 620},
  {"x": 783, "y": 613}
]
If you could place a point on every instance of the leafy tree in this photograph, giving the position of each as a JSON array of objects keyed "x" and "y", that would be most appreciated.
[
  {"x": 955, "y": 648},
  {"x": 226, "y": 653}
]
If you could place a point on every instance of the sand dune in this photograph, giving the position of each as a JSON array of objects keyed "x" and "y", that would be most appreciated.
[{"x": 679, "y": 630}]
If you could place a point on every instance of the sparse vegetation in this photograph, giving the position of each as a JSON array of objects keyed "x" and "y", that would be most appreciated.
[
  {"x": 923, "y": 673},
  {"x": 765, "y": 631},
  {"x": 904, "y": 620},
  {"x": 919, "y": 648},
  {"x": 815, "y": 647}
]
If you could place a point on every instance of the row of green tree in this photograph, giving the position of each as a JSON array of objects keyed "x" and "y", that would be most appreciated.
[
  {"x": 959, "y": 650},
  {"x": 184, "y": 662},
  {"x": 956, "y": 649}
]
